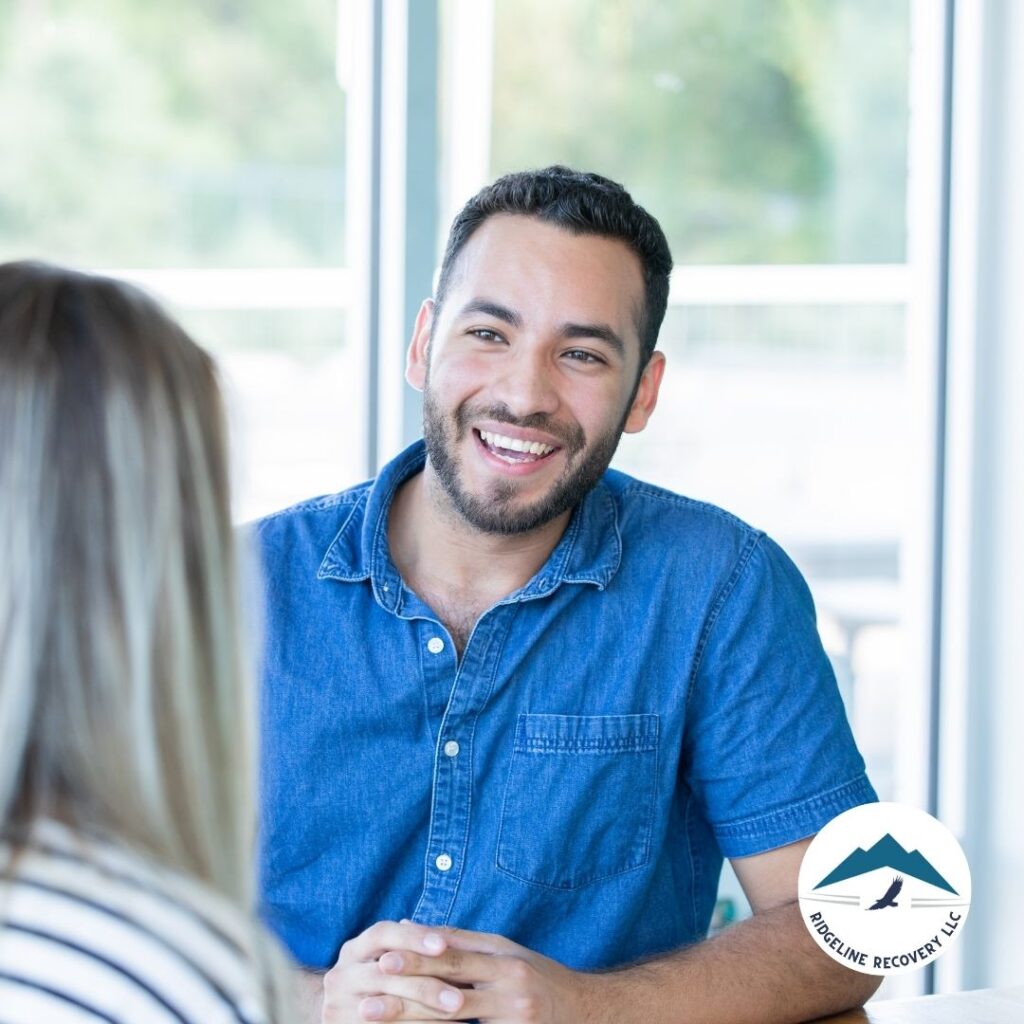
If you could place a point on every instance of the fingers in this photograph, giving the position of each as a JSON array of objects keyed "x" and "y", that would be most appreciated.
[
  {"x": 453, "y": 966},
  {"x": 384, "y": 1006},
  {"x": 395, "y": 989},
  {"x": 385, "y": 935},
  {"x": 380, "y": 996},
  {"x": 390, "y": 1007},
  {"x": 425, "y": 990},
  {"x": 476, "y": 1005},
  {"x": 400, "y": 971},
  {"x": 481, "y": 942}
]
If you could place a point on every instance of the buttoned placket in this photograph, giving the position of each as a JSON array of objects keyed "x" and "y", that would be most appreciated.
[
  {"x": 460, "y": 703},
  {"x": 451, "y": 796}
]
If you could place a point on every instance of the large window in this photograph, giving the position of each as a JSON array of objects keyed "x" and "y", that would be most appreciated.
[
  {"x": 199, "y": 149},
  {"x": 758, "y": 132}
]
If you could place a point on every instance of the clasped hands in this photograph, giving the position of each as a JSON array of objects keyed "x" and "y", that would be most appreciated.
[{"x": 400, "y": 971}]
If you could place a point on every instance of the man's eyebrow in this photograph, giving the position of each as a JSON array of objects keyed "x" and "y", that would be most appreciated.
[
  {"x": 601, "y": 331},
  {"x": 489, "y": 308}
]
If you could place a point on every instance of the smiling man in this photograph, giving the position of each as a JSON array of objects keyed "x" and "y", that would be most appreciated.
[{"x": 518, "y": 706}]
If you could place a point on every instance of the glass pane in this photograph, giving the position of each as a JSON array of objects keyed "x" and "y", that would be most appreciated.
[
  {"x": 157, "y": 134},
  {"x": 755, "y": 130},
  {"x": 294, "y": 387}
]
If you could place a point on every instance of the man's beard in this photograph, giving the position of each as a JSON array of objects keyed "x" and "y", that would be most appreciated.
[{"x": 496, "y": 511}]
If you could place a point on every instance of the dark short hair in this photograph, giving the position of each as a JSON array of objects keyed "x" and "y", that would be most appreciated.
[{"x": 584, "y": 204}]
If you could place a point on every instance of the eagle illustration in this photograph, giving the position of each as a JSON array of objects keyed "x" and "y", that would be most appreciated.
[{"x": 889, "y": 899}]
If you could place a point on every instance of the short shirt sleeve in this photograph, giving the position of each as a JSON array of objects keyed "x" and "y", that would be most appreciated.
[{"x": 768, "y": 749}]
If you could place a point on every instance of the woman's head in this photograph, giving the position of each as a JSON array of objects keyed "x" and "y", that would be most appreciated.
[{"x": 123, "y": 679}]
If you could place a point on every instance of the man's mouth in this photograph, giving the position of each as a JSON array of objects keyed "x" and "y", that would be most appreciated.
[{"x": 513, "y": 450}]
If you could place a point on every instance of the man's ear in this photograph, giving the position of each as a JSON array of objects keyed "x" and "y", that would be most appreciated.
[
  {"x": 419, "y": 347},
  {"x": 646, "y": 397}
]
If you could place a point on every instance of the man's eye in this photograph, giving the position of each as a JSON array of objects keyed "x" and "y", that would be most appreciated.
[
  {"x": 582, "y": 356},
  {"x": 486, "y": 335}
]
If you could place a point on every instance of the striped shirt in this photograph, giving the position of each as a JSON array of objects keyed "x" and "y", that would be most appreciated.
[{"x": 93, "y": 933}]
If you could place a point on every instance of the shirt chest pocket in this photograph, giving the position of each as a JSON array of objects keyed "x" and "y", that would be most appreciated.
[{"x": 579, "y": 799}]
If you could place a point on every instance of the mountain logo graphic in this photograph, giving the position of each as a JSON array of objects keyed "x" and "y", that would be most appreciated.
[
  {"x": 884, "y": 888},
  {"x": 886, "y": 853}
]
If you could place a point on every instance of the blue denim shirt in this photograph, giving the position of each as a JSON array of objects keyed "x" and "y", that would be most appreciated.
[{"x": 654, "y": 698}]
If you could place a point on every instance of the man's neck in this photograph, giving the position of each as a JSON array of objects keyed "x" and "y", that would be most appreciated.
[{"x": 433, "y": 546}]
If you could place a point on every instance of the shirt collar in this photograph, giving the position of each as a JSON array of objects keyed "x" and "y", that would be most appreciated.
[{"x": 588, "y": 552}]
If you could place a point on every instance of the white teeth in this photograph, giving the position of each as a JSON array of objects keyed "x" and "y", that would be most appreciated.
[{"x": 513, "y": 444}]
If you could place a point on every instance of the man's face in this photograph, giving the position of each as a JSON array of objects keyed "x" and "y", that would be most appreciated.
[{"x": 530, "y": 371}]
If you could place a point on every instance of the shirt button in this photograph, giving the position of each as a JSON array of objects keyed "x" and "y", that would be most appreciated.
[
  {"x": 451, "y": 748},
  {"x": 444, "y": 862},
  {"x": 435, "y": 645}
]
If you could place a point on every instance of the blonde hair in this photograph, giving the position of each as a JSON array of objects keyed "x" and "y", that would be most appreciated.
[{"x": 125, "y": 687}]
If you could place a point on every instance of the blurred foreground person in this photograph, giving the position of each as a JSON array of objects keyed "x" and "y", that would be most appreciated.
[{"x": 126, "y": 734}]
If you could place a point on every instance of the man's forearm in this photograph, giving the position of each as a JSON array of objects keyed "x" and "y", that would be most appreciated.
[{"x": 766, "y": 970}]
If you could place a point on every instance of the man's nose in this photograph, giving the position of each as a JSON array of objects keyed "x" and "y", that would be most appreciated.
[{"x": 526, "y": 385}]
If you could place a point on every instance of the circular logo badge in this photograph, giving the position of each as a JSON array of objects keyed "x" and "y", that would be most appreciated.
[{"x": 885, "y": 888}]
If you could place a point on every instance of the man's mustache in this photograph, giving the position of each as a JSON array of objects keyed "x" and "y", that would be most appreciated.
[{"x": 571, "y": 438}]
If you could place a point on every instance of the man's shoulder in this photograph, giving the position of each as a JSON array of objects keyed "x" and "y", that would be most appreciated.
[
  {"x": 314, "y": 520},
  {"x": 671, "y": 534},
  {"x": 312, "y": 508},
  {"x": 657, "y": 512}
]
